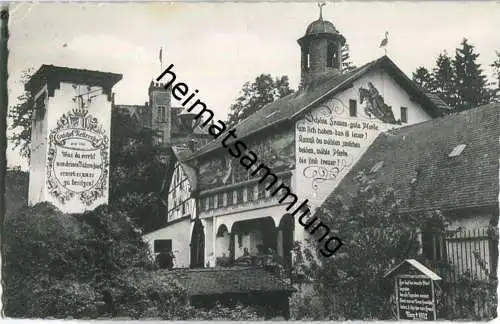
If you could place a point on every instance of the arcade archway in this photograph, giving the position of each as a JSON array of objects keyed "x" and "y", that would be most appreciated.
[
  {"x": 286, "y": 229},
  {"x": 197, "y": 246}
]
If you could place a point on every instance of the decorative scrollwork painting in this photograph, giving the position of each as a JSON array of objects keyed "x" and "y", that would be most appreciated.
[
  {"x": 326, "y": 112},
  {"x": 78, "y": 158}
]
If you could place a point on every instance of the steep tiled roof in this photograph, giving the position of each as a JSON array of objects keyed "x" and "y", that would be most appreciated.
[
  {"x": 438, "y": 101},
  {"x": 215, "y": 281},
  {"x": 416, "y": 162},
  {"x": 295, "y": 104}
]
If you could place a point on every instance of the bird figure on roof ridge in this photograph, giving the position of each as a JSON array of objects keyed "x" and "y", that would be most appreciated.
[{"x": 384, "y": 42}]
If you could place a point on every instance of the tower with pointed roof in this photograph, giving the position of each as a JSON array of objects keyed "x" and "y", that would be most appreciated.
[{"x": 321, "y": 48}]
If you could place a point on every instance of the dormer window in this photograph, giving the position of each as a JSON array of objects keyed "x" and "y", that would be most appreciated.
[
  {"x": 457, "y": 150},
  {"x": 377, "y": 166},
  {"x": 272, "y": 114}
]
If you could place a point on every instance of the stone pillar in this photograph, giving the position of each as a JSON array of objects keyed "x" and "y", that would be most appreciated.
[
  {"x": 280, "y": 243},
  {"x": 231, "y": 246},
  {"x": 70, "y": 137}
]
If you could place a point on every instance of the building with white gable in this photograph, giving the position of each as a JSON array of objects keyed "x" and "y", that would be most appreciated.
[{"x": 307, "y": 141}]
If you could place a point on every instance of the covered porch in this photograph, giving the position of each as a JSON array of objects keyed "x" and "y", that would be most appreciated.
[{"x": 247, "y": 241}]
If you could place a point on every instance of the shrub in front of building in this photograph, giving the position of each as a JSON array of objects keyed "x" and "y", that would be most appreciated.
[
  {"x": 377, "y": 236},
  {"x": 81, "y": 266}
]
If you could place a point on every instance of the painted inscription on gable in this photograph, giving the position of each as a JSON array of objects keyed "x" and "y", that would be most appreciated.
[{"x": 328, "y": 144}]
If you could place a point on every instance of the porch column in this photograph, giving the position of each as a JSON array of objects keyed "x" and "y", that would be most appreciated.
[
  {"x": 279, "y": 248},
  {"x": 231, "y": 246}
]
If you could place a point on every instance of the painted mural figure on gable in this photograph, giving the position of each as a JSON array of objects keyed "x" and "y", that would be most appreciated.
[
  {"x": 276, "y": 152},
  {"x": 375, "y": 105}
]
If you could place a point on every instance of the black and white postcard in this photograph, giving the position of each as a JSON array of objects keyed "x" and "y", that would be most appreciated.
[{"x": 250, "y": 161}]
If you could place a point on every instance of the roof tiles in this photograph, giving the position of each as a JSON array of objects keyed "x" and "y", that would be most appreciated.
[
  {"x": 418, "y": 166},
  {"x": 215, "y": 281},
  {"x": 293, "y": 105}
]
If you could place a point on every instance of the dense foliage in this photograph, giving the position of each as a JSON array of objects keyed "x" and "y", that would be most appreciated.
[
  {"x": 496, "y": 76},
  {"x": 89, "y": 266},
  {"x": 459, "y": 80},
  {"x": 94, "y": 264},
  {"x": 137, "y": 171},
  {"x": 69, "y": 265},
  {"x": 376, "y": 236},
  {"x": 16, "y": 193},
  {"x": 20, "y": 116},
  {"x": 257, "y": 94}
]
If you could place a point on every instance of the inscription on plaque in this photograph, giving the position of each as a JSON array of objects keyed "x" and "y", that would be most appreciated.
[
  {"x": 416, "y": 298},
  {"x": 78, "y": 158}
]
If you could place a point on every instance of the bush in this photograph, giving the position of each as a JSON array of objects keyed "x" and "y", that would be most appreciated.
[
  {"x": 60, "y": 265},
  {"x": 64, "y": 299},
  {"x": 376, "y": 236},
  {"x": 306, "y": 306},
  {"x": 139, "y": 293}
]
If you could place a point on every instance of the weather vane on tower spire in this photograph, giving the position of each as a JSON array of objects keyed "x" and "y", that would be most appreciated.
[{"x": 321, "y": 5}]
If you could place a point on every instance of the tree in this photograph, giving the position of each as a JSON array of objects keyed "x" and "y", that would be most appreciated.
[
  {"x": 16, "y": 193},
  {"x": 136, "y": 165},
  {"x": 64, "y": 265},
  {"x": 470, "y": 80},
  {"x": 444, "y": 79},
  {"x": 21, "y": 116},
  {"x": 88, "y": 266},
  {"x": 137, "y": 171},
  {"x": 458, "y": 80},
  {"x": 376, "y": 236},
  {"x": 257, "y": 94},
  {"x": 496, "y": 75},
  {"x": 423, "y": 78},
  {"x": 347, "y": 64}
]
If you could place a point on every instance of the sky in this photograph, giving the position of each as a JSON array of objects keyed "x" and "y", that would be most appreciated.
[{"x": 217, "y": 47}]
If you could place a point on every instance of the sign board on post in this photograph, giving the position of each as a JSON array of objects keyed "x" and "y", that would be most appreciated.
[
  {"x": 415, "y": 298},
  {"x": 414, "y": 291}
]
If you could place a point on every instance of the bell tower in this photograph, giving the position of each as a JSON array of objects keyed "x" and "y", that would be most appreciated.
[{"x": 321, "y": 48}]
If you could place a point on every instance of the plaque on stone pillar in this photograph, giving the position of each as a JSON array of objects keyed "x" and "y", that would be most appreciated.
[{"x": 70, "y": 140}]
